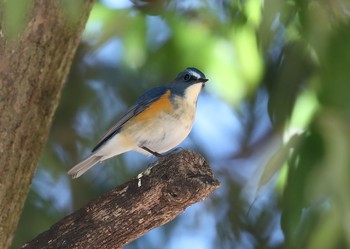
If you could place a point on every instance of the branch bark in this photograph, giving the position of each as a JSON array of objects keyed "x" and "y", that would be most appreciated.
[
  {"x": 125, "y": 213},
  {"x": 33, "y": 67}
]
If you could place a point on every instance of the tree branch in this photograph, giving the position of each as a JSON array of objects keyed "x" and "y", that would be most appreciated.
[{"x": 125, "y": 213}]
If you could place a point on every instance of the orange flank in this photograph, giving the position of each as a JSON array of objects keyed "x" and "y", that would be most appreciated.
[{"x": 162, "y": 104}]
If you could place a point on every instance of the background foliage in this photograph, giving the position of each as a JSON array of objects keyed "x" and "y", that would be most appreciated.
[{"x": 273, "y": 121}]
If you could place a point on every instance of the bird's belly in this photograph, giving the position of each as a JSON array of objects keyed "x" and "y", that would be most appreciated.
[{"x": 164, "y": 132}]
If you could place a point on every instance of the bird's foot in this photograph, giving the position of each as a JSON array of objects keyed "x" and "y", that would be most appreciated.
[
  {"x": 176, "y": 150},
  {"x": 158, "y": 155}
]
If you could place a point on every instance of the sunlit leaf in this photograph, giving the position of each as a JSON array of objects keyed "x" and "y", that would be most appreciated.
[{"x": 278, "y": 160}]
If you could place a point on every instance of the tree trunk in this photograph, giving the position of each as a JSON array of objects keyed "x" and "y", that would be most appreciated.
[
  {"x": 125, "y": 213},
  {"x": 34, "y": 64}
]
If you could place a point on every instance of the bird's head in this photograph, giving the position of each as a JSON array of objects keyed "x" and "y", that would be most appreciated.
[
  {"x": 189, "y": 83},
  {"x": 190, "y": 76}
]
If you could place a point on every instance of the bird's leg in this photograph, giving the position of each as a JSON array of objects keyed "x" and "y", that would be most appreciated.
[{"x": 156, "y": 154}]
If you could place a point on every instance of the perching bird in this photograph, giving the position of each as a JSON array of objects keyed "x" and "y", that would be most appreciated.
[{"x": 159, "y": 121}]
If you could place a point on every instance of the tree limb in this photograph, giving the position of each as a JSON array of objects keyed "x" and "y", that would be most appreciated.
[
  {"x": 33, "y": 67},
  {"x": 125, "y": 213}
]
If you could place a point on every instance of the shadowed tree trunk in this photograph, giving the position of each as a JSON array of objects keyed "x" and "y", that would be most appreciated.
[
  {"x": 33, "y": 67},
  {"x": 125, "y": 213}
]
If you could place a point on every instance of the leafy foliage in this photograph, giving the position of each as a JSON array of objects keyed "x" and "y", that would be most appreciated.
[{"x": 276, "y": 69}]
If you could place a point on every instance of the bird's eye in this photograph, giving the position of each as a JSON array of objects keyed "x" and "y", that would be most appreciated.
[{"x": 187, "y": 77}]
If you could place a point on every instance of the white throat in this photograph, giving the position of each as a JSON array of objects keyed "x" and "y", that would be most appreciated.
[{"x": 192, "y": 92}]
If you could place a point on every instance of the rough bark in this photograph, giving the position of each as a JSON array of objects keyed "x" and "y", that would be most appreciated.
[
  {"x": 33, "y": 66},
  {"x": 125, "y": 213}
]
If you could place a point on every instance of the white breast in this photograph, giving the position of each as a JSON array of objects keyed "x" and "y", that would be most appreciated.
[
  {"x": 192, "y": 92},
  {"x": 169, "y": 130}
]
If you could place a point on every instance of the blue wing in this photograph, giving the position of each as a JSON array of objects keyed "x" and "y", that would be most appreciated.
[{"x": 141, "y": 104}]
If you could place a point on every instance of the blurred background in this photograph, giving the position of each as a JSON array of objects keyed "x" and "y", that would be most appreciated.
[{"x": 273, "y": 121}]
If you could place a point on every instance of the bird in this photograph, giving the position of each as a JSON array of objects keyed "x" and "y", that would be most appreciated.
[{"x": 159, "y": 121}]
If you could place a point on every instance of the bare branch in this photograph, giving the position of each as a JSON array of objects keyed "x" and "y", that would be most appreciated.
[{"x": 125, "y": 213}]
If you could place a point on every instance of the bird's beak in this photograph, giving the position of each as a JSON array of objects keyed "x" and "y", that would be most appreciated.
[{"x": 202, "y": 80}]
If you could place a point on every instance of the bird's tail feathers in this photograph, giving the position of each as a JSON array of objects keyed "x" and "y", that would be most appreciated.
[{"x": 84, "y": 166}]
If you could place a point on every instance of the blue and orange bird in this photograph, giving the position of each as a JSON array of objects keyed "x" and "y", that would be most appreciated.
[{"x": 159, "y": 121}]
